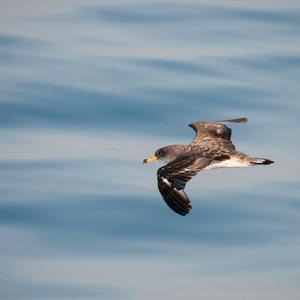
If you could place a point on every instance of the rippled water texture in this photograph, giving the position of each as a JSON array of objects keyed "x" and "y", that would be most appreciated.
[{"x": 90, "y": 88}]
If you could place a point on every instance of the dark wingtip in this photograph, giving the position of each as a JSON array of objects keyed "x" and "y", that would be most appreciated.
[
  {"x": 180, "y": 212},
  {"x": 177, "y": 200},
  {"x": 238, "y": 120},
  {"x": 241, "y": 120}
]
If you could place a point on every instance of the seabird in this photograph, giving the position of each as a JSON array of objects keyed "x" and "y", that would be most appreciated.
[{"x": 210, "y": 149}]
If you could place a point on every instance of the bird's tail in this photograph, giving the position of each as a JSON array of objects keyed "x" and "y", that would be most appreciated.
[{"x": 261, "y": 161}]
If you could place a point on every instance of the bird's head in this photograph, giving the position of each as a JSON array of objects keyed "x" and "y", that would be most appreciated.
[{"x": 163, "y": 154}]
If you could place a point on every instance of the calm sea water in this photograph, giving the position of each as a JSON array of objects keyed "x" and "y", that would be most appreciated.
[{"x": 90, "y": 88}]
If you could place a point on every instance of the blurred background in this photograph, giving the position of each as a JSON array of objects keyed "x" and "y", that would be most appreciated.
[{"x": 88, "y": 89}]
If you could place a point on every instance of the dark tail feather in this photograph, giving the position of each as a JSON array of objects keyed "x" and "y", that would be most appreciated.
[{"x": 261, "y": 161}]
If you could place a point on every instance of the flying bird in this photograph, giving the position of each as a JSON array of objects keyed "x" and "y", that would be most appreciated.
[{"x": 211, "y": 148}]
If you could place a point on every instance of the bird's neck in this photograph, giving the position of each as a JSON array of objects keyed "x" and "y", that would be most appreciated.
[{"x": 176, "y": 151}]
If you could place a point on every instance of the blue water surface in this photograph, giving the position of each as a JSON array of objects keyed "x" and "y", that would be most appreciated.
[{"x": 88, "y": 89}]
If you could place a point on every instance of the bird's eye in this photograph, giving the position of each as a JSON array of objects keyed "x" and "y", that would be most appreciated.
[{"x": 157, "y": 153}]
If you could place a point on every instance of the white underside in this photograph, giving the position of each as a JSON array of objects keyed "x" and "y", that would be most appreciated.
[{"x": 229, "y": 163}]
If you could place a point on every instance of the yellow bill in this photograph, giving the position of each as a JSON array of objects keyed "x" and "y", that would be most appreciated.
[{"x": 150, "y": 159}]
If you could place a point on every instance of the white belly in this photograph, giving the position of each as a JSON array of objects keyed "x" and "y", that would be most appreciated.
[{"x": 229, "y": 163}]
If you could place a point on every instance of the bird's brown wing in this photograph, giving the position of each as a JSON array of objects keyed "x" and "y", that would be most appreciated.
[
  {"x": 214, "y": 132},
  {"x": 172, "y": 178}
]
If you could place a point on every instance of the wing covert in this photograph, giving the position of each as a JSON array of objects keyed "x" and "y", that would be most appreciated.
[
  {"x": 216, "y": 130},
  {"x": 172, "y": 179}
]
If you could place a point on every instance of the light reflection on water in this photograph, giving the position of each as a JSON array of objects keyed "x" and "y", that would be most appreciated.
[{"x": 87, "y": 91}]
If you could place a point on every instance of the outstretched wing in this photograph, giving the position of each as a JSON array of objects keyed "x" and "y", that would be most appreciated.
[
  {"x": 214, "y": 131},
  {"x": 172, "y": 178}
]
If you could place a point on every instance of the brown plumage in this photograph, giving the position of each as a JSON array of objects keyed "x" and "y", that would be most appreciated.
[{"x": 211, "y": 148}]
